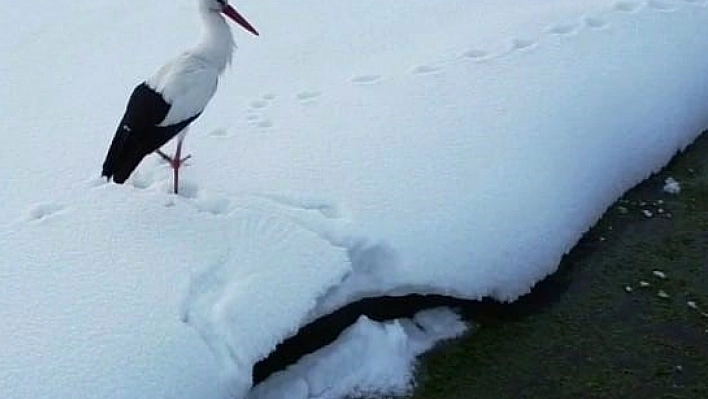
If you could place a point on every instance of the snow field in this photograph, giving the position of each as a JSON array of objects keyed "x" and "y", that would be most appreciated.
[{"x": 352, "y": 151}]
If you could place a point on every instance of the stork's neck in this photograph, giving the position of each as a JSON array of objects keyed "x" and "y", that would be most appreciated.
[{"x": 216, "y": 44}]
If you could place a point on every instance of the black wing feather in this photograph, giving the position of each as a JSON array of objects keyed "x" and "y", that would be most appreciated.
[{"x": 138, "y": 133}]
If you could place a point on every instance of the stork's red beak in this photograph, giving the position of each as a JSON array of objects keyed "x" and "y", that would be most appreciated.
[{"x": 233, "y": 14}]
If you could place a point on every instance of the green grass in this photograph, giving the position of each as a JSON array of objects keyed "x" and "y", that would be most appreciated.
[{"x": 595, "y": 339}]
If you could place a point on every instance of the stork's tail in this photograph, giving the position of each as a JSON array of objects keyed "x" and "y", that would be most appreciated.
[{"x": 123, "y": 156}]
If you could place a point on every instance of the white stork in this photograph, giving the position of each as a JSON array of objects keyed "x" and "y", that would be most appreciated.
[{"x": 163, "y": 106}]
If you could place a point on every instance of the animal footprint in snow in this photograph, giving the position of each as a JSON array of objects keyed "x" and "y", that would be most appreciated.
[
  {"x": 218, "y": 133},
  {"x": 626, "y": 6},
  {"x": 308, "y": 96},
  {"x": 259, "y": 121},
  {"x": 425, "y": 69},
  {"x": 268, "y": 97},
  {"x": 595, "y": 22},
  {"x": 475, "y": 54},
  {"x": 42, "y": 211},
  {"x": 563, "y": 29},
  {"x": 259, "y": 104},
  {"x": 265, "y": 124},
  {"x": 366, "y": 79},
  {"x": 661, "y": 6},
  {"x": 521, "y": 44}
]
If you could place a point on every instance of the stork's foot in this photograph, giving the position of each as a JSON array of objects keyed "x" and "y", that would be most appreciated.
[
  {"x": 175, "y": 162},
  {"x": 164, "y": 156}
]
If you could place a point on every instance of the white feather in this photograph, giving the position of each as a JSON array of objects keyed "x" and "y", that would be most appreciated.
[
  {"x": 187, "y": 84},
  {"x": 189, "y": 81}
]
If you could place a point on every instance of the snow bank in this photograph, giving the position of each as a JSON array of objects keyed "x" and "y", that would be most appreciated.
[
  {"x": 566, "y": 125},
  {"x": 379, "y": 148},
  {"x": 481, "y": 173},
  {"x": 369, "y": 359},
  {"x": 272, "y": 272}
]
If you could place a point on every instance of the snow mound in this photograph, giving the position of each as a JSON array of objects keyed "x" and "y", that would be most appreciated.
[{"x": 272, "y": 272}]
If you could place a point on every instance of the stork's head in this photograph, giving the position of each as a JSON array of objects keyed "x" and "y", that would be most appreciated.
[{"x": 223, "y": 6}]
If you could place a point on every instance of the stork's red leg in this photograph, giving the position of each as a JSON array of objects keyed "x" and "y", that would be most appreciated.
[{"x": 175, "y": 162}]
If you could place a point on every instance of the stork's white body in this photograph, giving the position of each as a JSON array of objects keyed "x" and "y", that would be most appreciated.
[{"x": 189, "y": 81}]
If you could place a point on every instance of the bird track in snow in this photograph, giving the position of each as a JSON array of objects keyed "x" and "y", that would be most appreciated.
[
  {"x": 594, "y": 22},
  {"x": 515, "y": 44},
  {"x": 476, "y": 54},
  {"x": 587, "y": 21},
  {"x": 366, "y": 79},
  {"x": 521, "y": 44},
  {"x": 660, "y": 5},
  {"x": 626, "y": 6},
  {"x": 265, "y": 123},
  {"x": 307, "y": 96},
  {"x": 425, "y": 69},
  {"x": 563, "y": 28},
  {"x": 259, "y": 121},
  {"x": 253, "y": 115},
  {"x": 259, "y": 104}
]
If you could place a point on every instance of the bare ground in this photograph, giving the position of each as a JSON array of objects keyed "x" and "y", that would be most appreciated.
[{"x": 605, "y": 325}]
